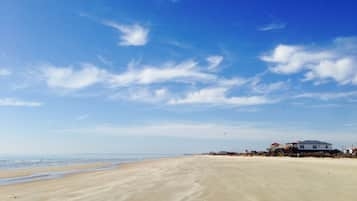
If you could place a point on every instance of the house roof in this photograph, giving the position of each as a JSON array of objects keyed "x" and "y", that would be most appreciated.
[{"x": 313, "y": 142}]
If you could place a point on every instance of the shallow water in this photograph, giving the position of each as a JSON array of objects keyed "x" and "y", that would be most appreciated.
[
  {"x": 29, "y": 161},
  {"x": 49, "y": 175},
  {"x": 22, "y": 162}
]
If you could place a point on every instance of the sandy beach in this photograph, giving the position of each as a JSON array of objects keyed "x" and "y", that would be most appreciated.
[{"x": 200, "y": 178}]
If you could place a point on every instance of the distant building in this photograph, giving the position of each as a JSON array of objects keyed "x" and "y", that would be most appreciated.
[
  {"x": 276, "y": 146},
  {"x": 310, "y": 145},
  {"x": 352, "y": 151}
]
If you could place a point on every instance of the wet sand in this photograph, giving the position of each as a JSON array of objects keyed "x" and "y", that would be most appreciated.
[
  {"x": 202, "y": 178},
  {"x": 6, "y": 173}
]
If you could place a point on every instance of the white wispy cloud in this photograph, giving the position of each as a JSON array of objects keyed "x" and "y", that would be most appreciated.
[
  {"x": 214, "y": 61},
  {"x": 269, "y": 87},
  {"x": 142, "y": 94},
  {"x": 351, "y": 124},
  {"x": 87, "y": 75},
  {"x": 179, "y": 44},
  {"x": 236, "y": 81},
  {"x": 104, "y": 60},
  {"x": 82, "y": 117},
  {"x": 12, "y": 102},
  {"x": 186, "y": 71},
  {"x": 322, "y": 106},
  {"x": 153, "y": 84},
  {"x": 327, "y": 95},
  {"x": 4, "y": 72},
  {"x": 336, "y": 62},
  {"x": 218, "y": 96},
  {"x": 130, "y": 35},
  {"x": 69, "y": 78},
  {"x": 272, "y": 26},
  {"x": 258, "y": 86}
]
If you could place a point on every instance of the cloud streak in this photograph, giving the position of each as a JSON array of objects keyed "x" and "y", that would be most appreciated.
[
  {"x": 4, "y": 72},
  {"x": 272, "y": 26},
  {"x": 214, "y": 62},
  {"x": 87, "y": 75},
  {"x": 11, "y": 102},
  {"x": 82, "y": 117},
  {"x": 130, "y": 35},
  {"x": 217, "y": 96},
  {"x": 186, "y": 71},
  {"x": 328, "y": 96},
  {"x": 142, "y": 94}
]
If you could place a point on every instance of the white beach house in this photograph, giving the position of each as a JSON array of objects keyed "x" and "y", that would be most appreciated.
[
  {"x": 312, "y": 145},
  {"x": 351, "y": 150}
]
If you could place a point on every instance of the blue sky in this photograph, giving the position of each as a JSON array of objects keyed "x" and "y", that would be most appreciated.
[{"x": 175, "y": 76}]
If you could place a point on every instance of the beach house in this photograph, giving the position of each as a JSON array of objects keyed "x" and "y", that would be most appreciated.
[
  {"x": 276, "y": 147},
  {"x": 352, "y": 150},
  {"x": 311, "y": 145}
]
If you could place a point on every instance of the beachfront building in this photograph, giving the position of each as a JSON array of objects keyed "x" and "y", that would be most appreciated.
[
  {"x": 276, "y": 147},
  {"x": 310, "y": 145},
  {"x": 352, "y": 150}
]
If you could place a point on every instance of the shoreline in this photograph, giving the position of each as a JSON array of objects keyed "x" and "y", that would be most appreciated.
[
  {"x": 52, "y": 173},
  {"x": 27, "y": 171}
]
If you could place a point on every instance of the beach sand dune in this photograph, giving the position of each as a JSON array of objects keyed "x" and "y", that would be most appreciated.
[{"x": 216, "y": 178}]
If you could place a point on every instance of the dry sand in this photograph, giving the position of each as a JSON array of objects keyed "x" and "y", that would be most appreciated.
[{"x": 205, "y": 178}]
